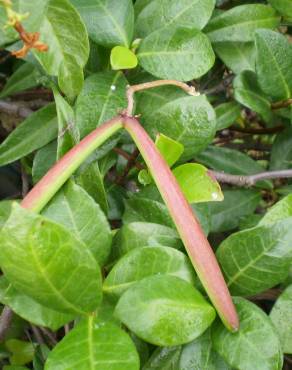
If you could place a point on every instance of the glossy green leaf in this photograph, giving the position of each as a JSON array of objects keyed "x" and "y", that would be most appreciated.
[
  {"x": 165, "y": 310},
  {"x": 25, "y": 77},
  {"x": 34, "y": 258},
  {"x": 189, "y": 120},
  {"x": 77, "y": 211},
  {"x": 36, "y": 10},
  {"x": 143, "y": 262},
  {"x": 139, "y": 234},
  {"x": 238, "y": 56},
  {"x": 44, "y": 160},
  {"x": 108, "y": 22},
  {"x": 94, "y": 345},
  {"x": 21, "y": 352},
  {"x": 5, "y": 209},
  {"x": 64, "y": 32},
  {"x": 274, "y": 64},
  {"x": 197, "y": 184},
  {"x": 231, "y": 161},
  {"x": 164, "y": 358},
  {"x": 33, "y": 133},
  {"x": 248, "y": 92},
  {"x": 237, "y": 203},
  {"x": 254, "y": 260},
  {"x": 281, "y": 316},
  {"x": 226, "y": 114},
  {"x": 91, "y": 180},
  {"x": 123, "y": 58},
  {"x": 281, "y": 155},
  {"x": 280, "y": 210},
  {"x": 158, "y": 14},
  {"x": 240, "y": 23},
  {"x": 284, "y": 7},
  {"x": 29, "y": 309},
  {"x": 171, "y": 150},
  {"x": 103, "y": 95},
  {"x": 182, "y": 54},
  {"x": 255, "y": 346}
]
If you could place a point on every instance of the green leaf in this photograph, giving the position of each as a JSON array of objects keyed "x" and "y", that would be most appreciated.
[
  {"x": 103, "y": 95},
  {"x": 176, "y": 53},
  {"x": 143, "y": 262},
  {"x": 255, "y": 346},
  {"x": 158, "y": 14},
  {"x": 36, "y": 10},
  {"x": 33, "y": 133},
  {"x": 94, "y": 345},
  {"x": 238, "y": 56},
  {"x": 123, "y": 58},
  {"x": 165, "y": 310},
  {"x": 240, "y": 23},
  {"x": 171, "y": 150},
  {"x": 281, "y": 316},
  {"x": 189, "y": 120},
  {"x": 5, "y": 209},
  {"x": 77, "y": 211},
  {"x": 25, "y": 77},
  {"x": 29, "y": 309},
  {"x": 280, "y": 211},
  {"x": 227, "y": 114},
  {"x": 139, "y": 234},
  {"x": 197, "y": 184},
  {"x": 108, "y": 22},
  {"x": 44, "y": 160},
  {"x": 12, "y": 367},
  {"x": 43, "y": 260},
  {"x": 226, "y": 215},
  {"x": 254, "y": 260},
  {"x": 281, "y": 155},
  {"x": 22, "y": 352},
  {"x": 91, "y": 180},
  {"x": 164, "y": 358},
  {"x": 274, "y": 64},
  {"x": 63, "y": 30},
  {"x": 248, "y": 92},
  {"x": 284, "y": 7},
  {"x": 231, "y": 161}
]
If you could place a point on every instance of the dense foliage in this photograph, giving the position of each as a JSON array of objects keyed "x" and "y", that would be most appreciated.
[{"x": 98, "y": 271}]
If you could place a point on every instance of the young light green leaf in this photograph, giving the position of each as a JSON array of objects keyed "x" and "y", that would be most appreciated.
[
  {"x": 63, "y": 30},
  {"x": 255, "y": 346},
  {"x": 197, "y": 183},
  {"x": 31, "y": 310},
  {"x": 123, "y": 58},
  {"x": 238, "y": 56},
  {"x": 274, "y": 64},
  {"x": 33, "y": 133},
  {"x": 281, "y": 316},
  {"x": 103, "y": 95},
  {"x": 176, "y": 53},
  {"x": 21, "y": 352},
  {"x": 109, "y": 22},
  {"x": 139, "y": 234},
  {"x": 226, "y": 114},
  {"x": 165, "y": 310},
  {"x": 189, "y": 120},
  {"x": 5, "y": 209},
  {"x": 143, "y": 262},
  {"x": 284, "y": 7},
  {"x": 25, "y": 77},
  {"x": 171, "y": 150},
  {"x": 43, "y": 260},
  {"x": 94, "y": 345},
  {"x": 248, "y": 92},
  {"x": 240, "y": 23},
  {"x": 254, "y": 260},
  {"x": 281, "y": 210},
  {"x": 77, "y": 211},
  {"x": 238, "y": 203},
  {"x": 158, "y": 14},
  {"x": 281, "y": 155},
  {"x": 44, "y": 160},
  {"x": 91, "y": 180}
]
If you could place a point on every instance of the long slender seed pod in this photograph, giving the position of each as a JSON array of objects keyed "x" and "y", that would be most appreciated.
[
  {"x": 47, "y": 187},
  {"x": 193, "y": 237}
]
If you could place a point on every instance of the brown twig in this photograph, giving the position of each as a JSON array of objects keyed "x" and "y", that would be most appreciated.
[
  {"x": 49, "y": 335},
  {"x": 128, "y": 156},
  {"x": 150, "y": 85},
  {"x": 130, "y": 164},
  {"x": 5, "y": 322},
  {"x": 281, "y": 104},
  {"x": 251, "y": 180}
]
